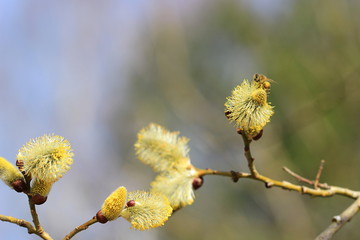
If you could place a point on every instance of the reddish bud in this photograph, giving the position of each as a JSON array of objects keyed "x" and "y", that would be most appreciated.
[
  {"x": 19, "y": 185},
  {"x": 20, "y": 165},
  {"x": 100, "y": 217},
  {"x": 38, "y": 199},
  {"x": 197, "y": 182},
  {"x": 131, "y": 203}
]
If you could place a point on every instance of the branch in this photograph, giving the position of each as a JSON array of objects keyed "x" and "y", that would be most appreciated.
[
  {"x": 330, "y": 191},
  {"x": 80, "y": 228},
  {"x": 339, "y": 221},
  {"x": 319, "y": 189},
  {"x": 317, "y": 178},
  {"x": 247, "y": 153},
  {"x": 38, "y": 229},
  {"x": 20, "y": 222}
]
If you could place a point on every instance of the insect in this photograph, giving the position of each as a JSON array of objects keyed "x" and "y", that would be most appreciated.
[{"x": 263, "y": 81}]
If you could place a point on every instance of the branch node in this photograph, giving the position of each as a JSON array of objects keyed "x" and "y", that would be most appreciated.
[
  {"x": 269, "y": 184},
  {"x": 234, "y": 176},
  {"x": 336, "y": 219}
]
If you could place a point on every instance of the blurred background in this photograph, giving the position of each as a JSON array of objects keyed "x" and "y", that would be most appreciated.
[{"x": 96, "y": 72}]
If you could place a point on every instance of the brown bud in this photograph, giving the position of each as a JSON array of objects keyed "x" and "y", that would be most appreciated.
[
  {"x": 197, "y": 182},
  {"x": 234, "y": 176},
  {"x": 100, "y": 217},
  {"x": 258, "y": 136},
  {"x": 19, "y": 185},
  {"x": 269, "y": 184},
  {"x": 38, "y": 199},
  {"x": 131, "y": 203}
]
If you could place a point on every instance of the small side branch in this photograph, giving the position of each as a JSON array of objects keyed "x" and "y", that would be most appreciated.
[
  {"x": 248, "y": 155},
  {"x": 305, "y": 180},
  {"x": 80, "y": 228},
  {"x": 269, "y": 182},
  {"x": 317, "y": 189},
  {"x": 317, "y": 178},
  {"x": 20, "y": 222},
  {"x": 38, "y": 229},
  {"x": 339, "y": 221}
]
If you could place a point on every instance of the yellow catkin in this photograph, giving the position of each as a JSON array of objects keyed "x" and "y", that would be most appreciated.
[
  {"x": 46, "y": 158},
  {"x": 8, "y": 172},
  {"x": 161, "y": 149},
  {"x": 176, "y": 186},
  {"x": 40, "y": 187},
  {"x": 114, "y": 204},
  {"x": 150, "y": 210},
  {"x": 248, "y": 106}
]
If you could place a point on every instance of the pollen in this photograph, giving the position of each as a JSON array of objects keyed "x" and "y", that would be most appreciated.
[
  {"x": 176, "y": 186},
  {"x": 161, "y": 149},
  {"x": 248, "y": 106},
  {"x": 149, "y": 211},
  {"x": 114, "y": 204},
  {"x": 46, "y": 158}
]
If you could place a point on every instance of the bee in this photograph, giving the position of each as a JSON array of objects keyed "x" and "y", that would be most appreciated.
[{"x": 263, "y": 81}]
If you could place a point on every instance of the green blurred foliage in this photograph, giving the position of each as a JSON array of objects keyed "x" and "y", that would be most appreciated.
[{"x": 190, "y": 65}]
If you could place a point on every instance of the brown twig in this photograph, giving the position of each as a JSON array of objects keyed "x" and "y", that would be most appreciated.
[
  {"x": 298, "y": 177},
  {"x": 80, "y": 228},
  {"x": 339, "y": 221},
  {"x": 305, "y": 180},
  {"x": 317, "y": 178}
]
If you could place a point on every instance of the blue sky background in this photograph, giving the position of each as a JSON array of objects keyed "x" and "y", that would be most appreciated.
[{"x": 58, "y": 63}]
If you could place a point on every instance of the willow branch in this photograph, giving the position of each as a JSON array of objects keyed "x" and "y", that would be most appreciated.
[
  {"x": 248, "y": 155},
  {"x": 20, "y": 222},
  {"x": 339, "y": 221},
  {"x": 80, "y": 228},
  {"x": 318, "y": 189},
  {"x": 269, "y": 182},
  {"x": 317, "y": 178},
  {"x": 38, "y": 229},
  {"x": 305, "y": 180}
]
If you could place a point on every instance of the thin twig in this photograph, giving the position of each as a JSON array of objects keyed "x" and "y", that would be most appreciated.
[
  {"x": 80, "y": 228},
  {"x": 38, "y": 228},
  {"x": 305, "y": 180},
  {"x": 339, "y": 221},
  {"x": 248, "y": 155},
  {"x": 298, "y": 177},
  {"x": 34, "y": 216},
  {"x": 20, "y": 222},
  {"x": 269, "y": 182},
  {"x": 324, "y": 191},
  {"x": 317, "y": 178}
]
